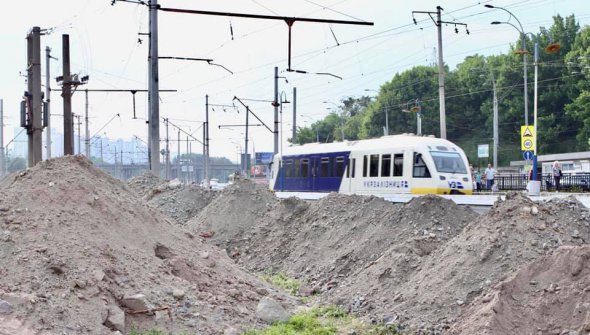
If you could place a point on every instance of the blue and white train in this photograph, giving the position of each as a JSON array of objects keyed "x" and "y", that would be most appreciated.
[{"x": 385, "y": 166}]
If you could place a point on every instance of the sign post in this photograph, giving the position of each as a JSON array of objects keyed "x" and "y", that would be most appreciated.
[{"x": 527, "y": 144}]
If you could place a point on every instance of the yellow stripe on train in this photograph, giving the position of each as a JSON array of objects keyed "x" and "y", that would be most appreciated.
[{"x": 438, "y": 190}]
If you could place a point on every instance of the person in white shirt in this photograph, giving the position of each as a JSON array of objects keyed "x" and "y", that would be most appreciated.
[
  {"x": 490, "y": 172},
  {"x": 556, "y": 171}
]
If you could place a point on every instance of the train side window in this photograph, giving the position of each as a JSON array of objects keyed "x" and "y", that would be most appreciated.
[
  {"x": 353, "y": 165},
  {"x": 398, "y": 165},
  {"x": 296, "y": 168},
  {"x": 288, "y": 167},
  {"x": 386, "y": 165},
  {"x": 339, "y": 167},
  {"x": 325, "y": 167},
  {"x": 420, "y": 168},
  {"x": 365, "y": 160},
  {"x": 374, "y": 167},
  {"x": 304, "y": 168}
]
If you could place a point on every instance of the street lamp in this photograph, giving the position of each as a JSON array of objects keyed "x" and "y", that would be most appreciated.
[
  {"x": 523, "y": 51},
  {"x": 282, "y": 101},
  {"x": 386, "y": 130},
  {"x": 417, "y": 108}
]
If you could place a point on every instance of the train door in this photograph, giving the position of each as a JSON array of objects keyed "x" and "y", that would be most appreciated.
[{"x": 313, "y": 181}]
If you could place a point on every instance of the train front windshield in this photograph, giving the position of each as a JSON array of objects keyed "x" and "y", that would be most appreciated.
[{"x": 448, "y": 162}]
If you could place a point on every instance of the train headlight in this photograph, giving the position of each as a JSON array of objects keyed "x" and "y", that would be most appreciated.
[{"x": 443, "y": 178}]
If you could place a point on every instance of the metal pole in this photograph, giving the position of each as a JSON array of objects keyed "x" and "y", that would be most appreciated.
[
  {"x": 190, "y": 161},
  {"x": 496, "y": 140},
  {"x": 204, "y": 153},
  {"x": 526, "y": 94},
  {"x": 419, "y": 118},
  {"x": 188, "y": 172},
  {"x": 294, "y": 137},
  {"x": 87, "y": 137},
  {"x": 246, "y": 160},
  {"x": 48, "y": 101},
  {"x": 206, "y": 156},
  {"x": 178, "y": 174},
  {"x": 36, "y": 127},
  {"x": 2, "y": 158},
  {"x": 167, "y": 152},
  {"x": 276, "y": 105},
  {"x": 67, "y": 96},
  {"x": 386, "y": 122},
  {"x": 153, "y": 87},
  {"x": 535, "y": 112},
  {"x": 79, "y": 135},
  {"x": 441, "y": 76}
]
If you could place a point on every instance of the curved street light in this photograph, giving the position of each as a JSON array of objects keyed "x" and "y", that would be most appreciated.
[{"x": 523, "y": 51}]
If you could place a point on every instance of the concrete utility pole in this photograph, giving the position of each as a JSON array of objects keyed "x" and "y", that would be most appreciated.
[
  {"x": 441, "y": 77},
  {"x": 153, "y": 87},
  {"x": 79, "y": 134},
  {"x": 48, "y": 103},
  {"x": 178, "y": 174},
  {"x": 167, "y": 152},
  {"x": 496, "y": 137},
  {"x": 247, "y": 164},
  {"x": 294, "y": 137},
  {"x": 87, "y": 137},
  {"x": 276, "y": 105},
  {"x": 35, "y": 126},
  {"x": 206, "y": 152},
  {"x": 67, "y": 96},
  {"x": 441, "y": 68},
  {"x": 188, "y": 172},
  {"x": 2, "y": 158}
]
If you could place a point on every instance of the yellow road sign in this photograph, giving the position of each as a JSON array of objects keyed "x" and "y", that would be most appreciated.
[{"x": 527, "y": 138}]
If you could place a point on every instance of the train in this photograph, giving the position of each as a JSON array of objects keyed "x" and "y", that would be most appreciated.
[{"x": 384, "y": 166}]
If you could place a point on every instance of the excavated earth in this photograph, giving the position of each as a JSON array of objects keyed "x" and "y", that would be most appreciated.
[
  {"x": 83, "y": 253},
  {"x": 80, "y": 253}
]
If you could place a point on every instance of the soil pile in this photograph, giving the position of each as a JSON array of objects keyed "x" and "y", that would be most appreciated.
[
  {"x": 82, "y": 254},
  {"x": 515, "y": 232},
  {"x": 330, "y": 242},
  {"x": 549, "y": 296},
  {"x": 180, "y": 202}
]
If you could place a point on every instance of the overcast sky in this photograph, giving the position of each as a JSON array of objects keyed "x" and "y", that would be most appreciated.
[{"x": 104, "y": 45}]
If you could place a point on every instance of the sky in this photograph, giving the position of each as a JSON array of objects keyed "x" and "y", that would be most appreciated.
[{"x": 105, "y": 45}]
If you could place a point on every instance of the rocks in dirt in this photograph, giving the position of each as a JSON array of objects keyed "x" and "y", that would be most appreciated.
[
  {"x": 178, "y": 294},
  {"x": 136, "y": 302},
  {"x": 115, "y": 318},
  {"x": 270, "y": 311},
  {"x": 5, "y": 307}
]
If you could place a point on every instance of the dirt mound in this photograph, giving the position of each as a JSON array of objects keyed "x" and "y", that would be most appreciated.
[
  {"x": 180, "y": 202},
  {"x": 515, "y": 232},
  {"x": 81, "y": 253},
  {"x": 549, "y": 296},
  {"x": 331, "y": 241}
]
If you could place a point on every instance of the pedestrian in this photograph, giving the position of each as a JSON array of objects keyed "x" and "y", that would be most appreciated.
[
  {"x": 478, "y": 180},
  {"x": 557, "y": 173},
  {"x": 490, "y": 172}
]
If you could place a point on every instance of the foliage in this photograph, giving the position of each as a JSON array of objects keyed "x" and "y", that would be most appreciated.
[
  {"x": 563, "y": 99},
  {"x": 325, "y": 320},
  {"x": 281, "y": 280}
]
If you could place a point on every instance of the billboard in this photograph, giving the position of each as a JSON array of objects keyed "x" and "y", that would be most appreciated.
[{"x": 263, "y": 158}]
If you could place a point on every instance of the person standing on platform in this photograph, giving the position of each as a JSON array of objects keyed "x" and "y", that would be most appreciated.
[
  {"x": 556, "y": 170},
  {"x": 490, "y": 172}
]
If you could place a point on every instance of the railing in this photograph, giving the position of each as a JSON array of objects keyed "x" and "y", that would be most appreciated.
[{"x": 518, "y": 182}]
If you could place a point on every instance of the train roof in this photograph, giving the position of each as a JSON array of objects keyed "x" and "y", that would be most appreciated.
[{"x": 391, "y": 141}]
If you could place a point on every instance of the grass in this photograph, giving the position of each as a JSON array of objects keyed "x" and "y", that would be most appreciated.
[
  {"x": 326, "y": 320},
  {"x": 281, "y": 280}
]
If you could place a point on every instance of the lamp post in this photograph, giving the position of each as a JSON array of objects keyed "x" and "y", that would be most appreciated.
[
  {"x": 417, "y": 108},
  {"x": 523, "y": 51}
]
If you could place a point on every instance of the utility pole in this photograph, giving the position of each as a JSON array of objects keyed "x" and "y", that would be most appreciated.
[
  {"x": 294, "y": 137},
  {"x": 441, "y": 77},
  {"x": 247, "y": 161},
  {"x": 188, "y": 172},
  {"x": 67, "y": 96},
  {"x": 2, "y": 158},
  {"x": 276, "y": 105},
  {"x": 178, "y": 174},
  {"x": 153, "y": 87},
  {"x": 79, "y": 134},
  {"x": 35, "y": 126},
  {"x": 48, "y": 102},
  {"x": 167, "y": 152},
  {"x": 441, "y": 68},
  {"x": 206, "y": 152},
  {"x": 87, "y": 137},
  {"x": 496, "y": 138}
]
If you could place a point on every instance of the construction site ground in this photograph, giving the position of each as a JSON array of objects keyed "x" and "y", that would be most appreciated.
[{"x": 84, "y": 253}]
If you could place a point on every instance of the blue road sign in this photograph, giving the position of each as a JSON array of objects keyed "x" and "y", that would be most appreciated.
[{"x": 528, "y": 155}]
